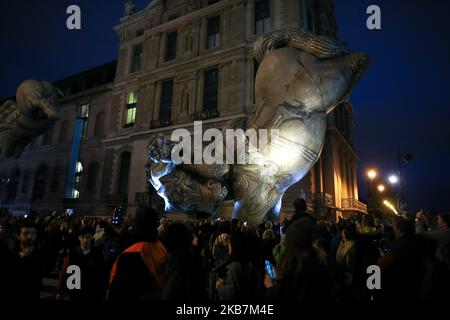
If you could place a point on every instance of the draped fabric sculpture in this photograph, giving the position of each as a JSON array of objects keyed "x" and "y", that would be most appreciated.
[
  {"x": 301, "y": 79},
  {"x": 27, "y": 118}
]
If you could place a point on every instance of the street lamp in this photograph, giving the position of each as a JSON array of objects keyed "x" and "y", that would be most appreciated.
[
  {"x": 381, "y": 187},
  {"x": 390, "y": 206},
  {"x": 371, "y": 174},
  {"x": 393, "y": 179}
]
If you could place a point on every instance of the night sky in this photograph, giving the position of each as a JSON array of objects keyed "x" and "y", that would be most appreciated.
[{"x": 404, "y": 99}]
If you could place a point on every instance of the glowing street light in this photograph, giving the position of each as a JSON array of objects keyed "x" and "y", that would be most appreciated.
[
  {"x": 372, "y": 174},
  {"x": 390, "y": 206},
  {"x": 393, "y": 179},
  {"x": 381, "y": 187}
]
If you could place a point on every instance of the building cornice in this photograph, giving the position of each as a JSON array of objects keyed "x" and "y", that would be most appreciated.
[
  {"x": 170, "y": 69},
  {"x": 147, "y": 133},
  {"x": 334, "y": 130},
  {"x": 86, "y": 93},
  {"x": 140, "y": 17}
]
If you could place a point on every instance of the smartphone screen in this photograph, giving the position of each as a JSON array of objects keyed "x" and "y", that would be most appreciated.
[{"x": 270, "y": 270}]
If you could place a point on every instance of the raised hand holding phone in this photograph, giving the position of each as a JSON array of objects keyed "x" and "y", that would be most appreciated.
[{"x": 270, "y": 270}]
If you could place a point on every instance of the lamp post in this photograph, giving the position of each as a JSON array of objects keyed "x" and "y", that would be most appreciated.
[
  {"x": 390, "y": 206},
  {"x": 393, "y": 180},
  {"x": 407, "y": 157},
  {"x": 371, "y": 174}
]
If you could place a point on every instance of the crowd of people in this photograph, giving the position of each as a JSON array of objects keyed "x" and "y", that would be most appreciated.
[{"x": 151, "y": 257}]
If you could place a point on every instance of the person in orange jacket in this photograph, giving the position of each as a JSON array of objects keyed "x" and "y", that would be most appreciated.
[{"x": 138, "y": 273}]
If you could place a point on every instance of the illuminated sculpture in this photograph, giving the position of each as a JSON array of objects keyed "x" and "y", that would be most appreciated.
[
  {"x": 301, "y": 79},
  {"x": 29, "y": 117}
]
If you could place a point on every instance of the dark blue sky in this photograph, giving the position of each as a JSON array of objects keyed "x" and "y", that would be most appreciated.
[{"x": 403, "y": 99}]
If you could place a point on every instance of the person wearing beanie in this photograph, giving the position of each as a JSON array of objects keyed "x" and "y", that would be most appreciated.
[{"x": 92, "y": 270}]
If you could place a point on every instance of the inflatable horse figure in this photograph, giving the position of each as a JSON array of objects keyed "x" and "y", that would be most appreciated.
[
  {"x": 301, "y": 78},
  {"x": 29, "y": 117}
]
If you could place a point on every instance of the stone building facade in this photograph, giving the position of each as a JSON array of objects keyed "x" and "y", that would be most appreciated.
[{"x": 178, "y": 61}]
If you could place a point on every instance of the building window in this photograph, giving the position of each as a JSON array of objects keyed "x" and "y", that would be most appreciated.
[
  {"x": 32, "y": 144},
  {"x": 211, "y": 90},
  {"x": 92, "y": 177},
  {"x": 165, "y": 110},
  {"x": 139, "y": 33},
  {"x": 262, "y": 16},
  {"x": 56, "y": 179},
  {"x": 13, "y": 184},
  {"x": 99, "y": 124},
  {"x": 122, "y": 184},
  {"x": 171, "y": 46},
  {"x": 63, "y": 131},
  {"x": 48, "y": 135},
  {"x": 83, "y": 113},
  {"x": 310, "y": 22},
  {"x": 130, "y": 111},
  {"x": 3, "y": 181},
  {"x": 255, "y": 71},
  {"x": 25, "y": 182},
  {"x": 137, "y": 58},
  {"x": 40, "y": 179},
  {"x": 212, "y": 1},
  {"x": 77, "y": 182},
  {"x": 213, "y": 32}
]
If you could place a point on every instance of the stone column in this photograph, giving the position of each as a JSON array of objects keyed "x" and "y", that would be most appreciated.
[
  {"x": 202, "y": 35},
  {"x": 162, "y": 49}
]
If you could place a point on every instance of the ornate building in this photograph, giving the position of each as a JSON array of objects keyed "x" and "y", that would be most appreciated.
[{"x": 179, "y": 61}]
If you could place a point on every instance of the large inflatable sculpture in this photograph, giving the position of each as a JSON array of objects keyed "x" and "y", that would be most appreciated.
[
  {"x": 28, "y": 117},
  {"x": 301, "y": 78}
]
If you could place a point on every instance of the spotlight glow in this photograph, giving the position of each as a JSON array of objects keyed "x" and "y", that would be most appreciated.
[{"x": 393, "y": 179}]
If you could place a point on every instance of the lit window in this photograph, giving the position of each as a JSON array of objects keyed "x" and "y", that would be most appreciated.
[
  {"x": 83, "y": 113},
  {"x": 130, "y": 112},
  {"x": 76, "y": 187}
]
